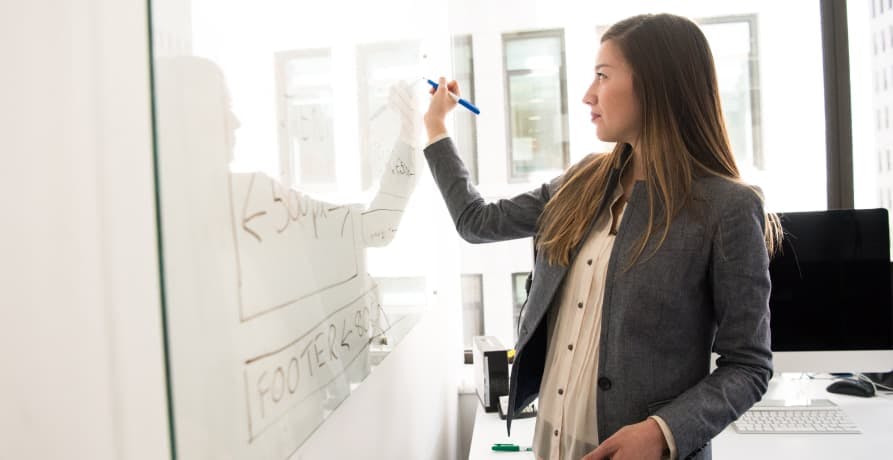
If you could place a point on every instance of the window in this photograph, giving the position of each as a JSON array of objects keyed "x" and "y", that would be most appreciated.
[
  {"x": 536, "y": 98},
  {"x": 734, "y": 45},
  {"x": 472, "y": 308},
  {"x": 519, "y": 296},
  {"x": 871, "y": 186},
  {"x": 770, "y": 71},
  {"x": 768, "y": 92},
  {"x": 466, "y": 134},
  {"x": 306, "y": 141}
]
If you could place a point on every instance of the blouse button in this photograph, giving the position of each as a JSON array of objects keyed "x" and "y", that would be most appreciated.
[
  {"x": 579, "y": 304},
  {"x": 589, "y": 262},
  {"x": 570, "y": 347},
  {"x": 560, "y": 391}
]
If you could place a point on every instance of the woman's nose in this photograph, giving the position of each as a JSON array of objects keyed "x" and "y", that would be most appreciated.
[{"x": 589, "y": 98}]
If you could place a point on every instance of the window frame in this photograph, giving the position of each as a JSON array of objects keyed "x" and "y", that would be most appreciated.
[
  {"x": 558, "y": 33},
  {"x": 470, "y": 158},
  {"x": 838, "y": 104},
  {"x": 756, "y": 120},
  {"x": 480, "y": 280}
]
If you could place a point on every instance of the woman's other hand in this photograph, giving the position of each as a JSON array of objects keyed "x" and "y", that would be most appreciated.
[
  {"x": 441, "y": 104},
  {"x": 641, "y": 441}
]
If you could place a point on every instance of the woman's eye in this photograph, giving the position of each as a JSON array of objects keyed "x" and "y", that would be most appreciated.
[{"x": 600, "y": 76}]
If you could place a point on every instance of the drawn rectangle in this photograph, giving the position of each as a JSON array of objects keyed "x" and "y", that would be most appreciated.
[
  {"x": 281, "y": 236},
  {"x": 279, "y": 382}
]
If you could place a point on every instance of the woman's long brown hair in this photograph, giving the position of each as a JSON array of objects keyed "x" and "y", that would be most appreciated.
[{"x": 683, "y": 136}]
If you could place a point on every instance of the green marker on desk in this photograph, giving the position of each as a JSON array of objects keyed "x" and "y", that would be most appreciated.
[{"x": 510, "y": 448}]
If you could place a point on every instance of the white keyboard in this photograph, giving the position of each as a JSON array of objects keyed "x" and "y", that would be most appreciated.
[{"x": 821, "y": 416}]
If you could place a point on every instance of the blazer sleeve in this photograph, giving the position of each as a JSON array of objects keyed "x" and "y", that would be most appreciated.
[
  {"x": 476, "y": 220},
  {"x": 739, "y": 273}
]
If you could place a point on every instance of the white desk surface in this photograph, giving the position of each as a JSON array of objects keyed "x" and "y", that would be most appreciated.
[{"x": 874, "y": 416}]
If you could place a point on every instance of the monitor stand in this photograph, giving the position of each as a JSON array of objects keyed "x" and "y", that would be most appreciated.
[
  {"x": 791, "y": 389},
  {"x": 883, "y": 378}
]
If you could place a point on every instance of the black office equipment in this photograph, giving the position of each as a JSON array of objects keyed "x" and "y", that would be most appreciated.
[
  {"x": 491, "y": 374},
  {"x": 831, "y": 282},
  {"x": 852, "y": 387}
]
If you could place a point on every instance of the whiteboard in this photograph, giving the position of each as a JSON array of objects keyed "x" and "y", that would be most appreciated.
[{"x": 272, "y": 314}]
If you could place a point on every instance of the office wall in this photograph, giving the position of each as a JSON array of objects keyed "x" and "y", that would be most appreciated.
[
  {"x": 80, "y": 336},
  {"x": 80, "y": 340}
]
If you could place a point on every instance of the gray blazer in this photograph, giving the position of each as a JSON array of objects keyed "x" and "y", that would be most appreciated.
[{"x": 706, "y": 289}]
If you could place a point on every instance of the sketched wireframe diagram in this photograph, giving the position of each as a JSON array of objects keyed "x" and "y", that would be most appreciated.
[
  {"x": 311, "y": 240},
  {"x": 270, "y": 307}
]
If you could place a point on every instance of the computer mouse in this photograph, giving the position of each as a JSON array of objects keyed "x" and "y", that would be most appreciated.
[{"x": 851, "y": 387}]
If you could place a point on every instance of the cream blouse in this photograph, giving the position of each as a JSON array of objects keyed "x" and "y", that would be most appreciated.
[{"x": 567, "y": 422}]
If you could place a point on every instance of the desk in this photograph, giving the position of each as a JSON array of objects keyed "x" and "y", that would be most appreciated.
[{"x": 873, "y": 415}]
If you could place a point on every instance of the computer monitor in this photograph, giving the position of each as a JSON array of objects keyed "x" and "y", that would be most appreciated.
[{"x": 831, "y": 297}]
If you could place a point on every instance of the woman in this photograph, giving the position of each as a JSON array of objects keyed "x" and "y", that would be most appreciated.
[{"x": 650, "y": 257}]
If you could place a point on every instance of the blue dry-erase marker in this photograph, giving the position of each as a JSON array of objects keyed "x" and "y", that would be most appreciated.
[{"x": 462, "y": 102}]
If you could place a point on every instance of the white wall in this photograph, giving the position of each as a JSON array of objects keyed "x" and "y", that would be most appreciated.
[
  {"x": 81, "y": 342},
  {"x": 80, "y": 336}
]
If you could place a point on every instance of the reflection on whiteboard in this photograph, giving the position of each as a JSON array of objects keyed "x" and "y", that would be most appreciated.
[
  {"x": 281, "y": 379},
  {"x": 280, "y": 237},
  {"x": 271, "y": 314},
  {"x": 379, "y": 67},
  {"x": 306, "y": 111}
]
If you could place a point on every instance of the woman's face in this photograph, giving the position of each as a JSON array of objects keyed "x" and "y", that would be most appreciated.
[{"x": 614, "y": 107}]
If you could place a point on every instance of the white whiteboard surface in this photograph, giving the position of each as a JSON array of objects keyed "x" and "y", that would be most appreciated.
[{"x": 273, "y": 318}]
